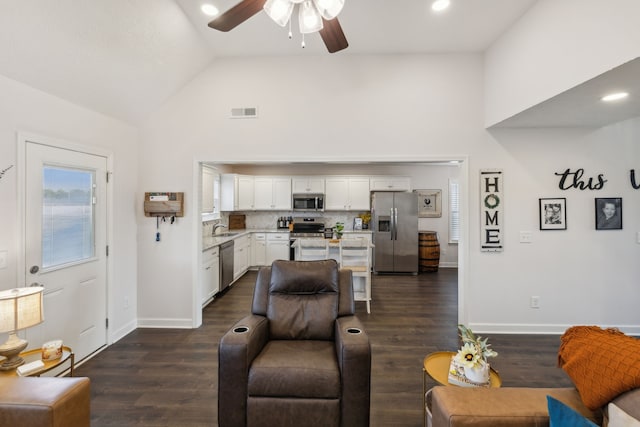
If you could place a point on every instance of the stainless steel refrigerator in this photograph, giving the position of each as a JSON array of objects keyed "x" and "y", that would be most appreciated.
[{"x": 395, "y": 232}]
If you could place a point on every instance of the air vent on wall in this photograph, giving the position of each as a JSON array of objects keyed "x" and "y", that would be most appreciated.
[{"x": 244, "y": 113}]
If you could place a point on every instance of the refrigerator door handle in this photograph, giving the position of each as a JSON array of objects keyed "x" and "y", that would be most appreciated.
[
  {"x": 392, "y": 224},
  {"x": 395, "y": 223}
]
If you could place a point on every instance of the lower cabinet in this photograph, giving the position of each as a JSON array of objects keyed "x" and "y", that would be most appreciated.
[
  {"x": 258, "y": 249},
  {"x": 241, "y": 255},
  {"x": 277, "y": 247},
  {"x": 210, "y": 276}
]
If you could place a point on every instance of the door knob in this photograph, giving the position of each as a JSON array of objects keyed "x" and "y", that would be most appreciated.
[
  {"x": 36, "y": 284},
  {"x": 34, "y": 269}
]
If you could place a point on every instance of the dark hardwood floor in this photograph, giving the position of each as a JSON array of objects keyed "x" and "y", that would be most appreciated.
[{"x": 168, "y": 377}]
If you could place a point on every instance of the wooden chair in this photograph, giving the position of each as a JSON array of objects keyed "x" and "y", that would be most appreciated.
[{"x": 355, "y": 255}]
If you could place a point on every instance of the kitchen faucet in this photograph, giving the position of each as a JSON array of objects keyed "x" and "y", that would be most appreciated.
[{"x": 216, "y": 226}]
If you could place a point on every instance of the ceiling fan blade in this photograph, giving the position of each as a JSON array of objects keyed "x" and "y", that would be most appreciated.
[
  {"x": 237, "y": 15},
  {"x": 332, "y": 35}
]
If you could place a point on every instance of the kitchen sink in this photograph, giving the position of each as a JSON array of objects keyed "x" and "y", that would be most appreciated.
[{"x": 226, "y": 234}]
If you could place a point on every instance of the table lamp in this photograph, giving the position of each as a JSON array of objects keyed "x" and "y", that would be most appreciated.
[{"x": 20, "y": 308}]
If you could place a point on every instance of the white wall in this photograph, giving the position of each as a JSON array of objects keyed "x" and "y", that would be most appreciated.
[
  {"x": 555, "y": 46},
  {"x": 25, "y": 109},
  {"x": 354, "y": 108},
  {"x": 386, "y": 108}
]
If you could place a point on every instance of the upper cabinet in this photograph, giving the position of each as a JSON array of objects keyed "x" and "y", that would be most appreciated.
[
  {"x": 347, "y": 193},
  {"x": 307, "y": 184},
  {"x": 390, "y": 183},
  {"x": 272, "y": 193},
  {"x": 237, "y": 192},
  {"x": 207, "y": 189}
]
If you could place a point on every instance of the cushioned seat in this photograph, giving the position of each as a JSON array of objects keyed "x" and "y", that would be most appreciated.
[{"x": 302, "y": 357}]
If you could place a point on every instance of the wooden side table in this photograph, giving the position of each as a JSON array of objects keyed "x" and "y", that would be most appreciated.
[
  {"x": 36, "y": 354},
  {"x": 436, "y": 365}
]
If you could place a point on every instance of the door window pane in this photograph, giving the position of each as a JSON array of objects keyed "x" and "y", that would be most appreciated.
[{"x": 67, "y": 216}]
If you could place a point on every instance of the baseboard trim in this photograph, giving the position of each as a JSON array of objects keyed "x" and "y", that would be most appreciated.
[
  {"x": 540, "y": 329},
  {"x": 122, "y": 332},
  {"x": 166, "y": 323}
]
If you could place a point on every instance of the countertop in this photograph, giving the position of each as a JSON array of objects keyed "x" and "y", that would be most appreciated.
[{"x": 209, "y": 242}]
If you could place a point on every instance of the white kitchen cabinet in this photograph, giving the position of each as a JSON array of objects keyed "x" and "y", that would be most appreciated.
[
  {"x": 210, "y": 277},
  {"x": 272, "y": 193},
  {"x": 258, "y": 249},
  {"x": 390, "y": 183},
  {"x": 208, "y": 176},
  {"x": 277, "y": 247},
  {"x": 307, "y": 184},
  {"x": 347, "y": 194},
  {"x": 237, "y": 192},
  {"x": 241, "y": 255}
]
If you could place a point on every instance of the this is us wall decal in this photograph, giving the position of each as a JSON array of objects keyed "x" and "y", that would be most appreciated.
[{"x": 576, "y": 179}]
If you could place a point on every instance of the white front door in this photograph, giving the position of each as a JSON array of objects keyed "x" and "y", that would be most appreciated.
[{"x": 65, "y": 244}]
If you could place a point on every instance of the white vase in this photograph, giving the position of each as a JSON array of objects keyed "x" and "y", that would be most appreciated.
[{"x": 478, "y": 374}]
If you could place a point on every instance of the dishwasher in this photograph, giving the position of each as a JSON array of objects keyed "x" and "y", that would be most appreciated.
[{"x": 226, "y": 265}]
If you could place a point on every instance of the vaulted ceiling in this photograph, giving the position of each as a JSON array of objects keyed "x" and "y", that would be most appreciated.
[{"x": 124, "y": 58}]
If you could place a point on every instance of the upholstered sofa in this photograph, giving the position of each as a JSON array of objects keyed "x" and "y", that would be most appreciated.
[
  {"x": 45, "y": 402},
  {"x": 604, "y": 364}
]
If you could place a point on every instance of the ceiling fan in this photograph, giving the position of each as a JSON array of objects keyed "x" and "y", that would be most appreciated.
[{"x": 313, "y": 16}]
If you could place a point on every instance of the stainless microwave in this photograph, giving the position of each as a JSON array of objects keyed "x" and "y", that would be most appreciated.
[{"x": 308, "y": 202}]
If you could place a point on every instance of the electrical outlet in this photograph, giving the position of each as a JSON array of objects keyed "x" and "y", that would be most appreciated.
[
  {"x": 3, "y": 259},
  {"x": 534, "y": 302},
  {"x": 526, "y": 237}
]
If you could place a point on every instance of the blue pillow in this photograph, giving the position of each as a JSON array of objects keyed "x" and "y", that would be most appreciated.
[{"x": 560, "y": 415}]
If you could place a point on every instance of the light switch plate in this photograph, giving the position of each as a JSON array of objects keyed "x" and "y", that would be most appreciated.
[{"x": 3, "y": 259}]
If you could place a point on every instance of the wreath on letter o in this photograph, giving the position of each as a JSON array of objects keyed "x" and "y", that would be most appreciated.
[{"x": 491, "y": 201}]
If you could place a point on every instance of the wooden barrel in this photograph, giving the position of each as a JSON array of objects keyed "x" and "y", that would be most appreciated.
[{"x": 429, "y": 251}]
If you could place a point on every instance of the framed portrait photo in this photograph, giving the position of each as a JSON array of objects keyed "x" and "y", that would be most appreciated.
[
  {"x": 429, "y": 203},
  {"x": 553, "y": 214},
  {"x": 609, "y": 213}
]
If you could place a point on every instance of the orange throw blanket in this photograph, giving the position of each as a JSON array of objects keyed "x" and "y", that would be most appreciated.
[{"x": 603, "y": 363}]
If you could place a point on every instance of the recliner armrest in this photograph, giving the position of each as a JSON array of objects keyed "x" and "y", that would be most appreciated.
[
  {"x": 237, "y": 349},
  {"x": 354, "y": 359}
]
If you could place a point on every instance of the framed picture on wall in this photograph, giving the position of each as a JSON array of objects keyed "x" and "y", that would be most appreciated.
[
  {"x": 609, "y": 213},
  {"x": 553, "y": 214},
  {"x": 429, "y": 203}
]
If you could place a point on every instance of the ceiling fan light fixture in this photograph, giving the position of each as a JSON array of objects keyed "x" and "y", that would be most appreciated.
[
  {"x": 329, "y": 9},
  {"x": 309, "y": 18},
  {"x": 279, "y": 10}
]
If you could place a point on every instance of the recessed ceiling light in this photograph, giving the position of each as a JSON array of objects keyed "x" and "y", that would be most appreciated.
[
  {"x": 440, "y": 5},
  {"x": 209, "y": 10},
  {"x": 615, "y": 96}
]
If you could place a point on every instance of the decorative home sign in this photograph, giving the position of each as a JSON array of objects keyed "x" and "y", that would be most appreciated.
[
  {"x": 609, "y": 214},
  {"x": 491, "y": 211},
  {"x": 553, "y": 214},
  {"x": 429, "y": 203}
]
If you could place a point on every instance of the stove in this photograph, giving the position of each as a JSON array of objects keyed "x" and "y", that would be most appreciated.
[
  {"x": 304, "y": 228},
  {"x": 307, "y": 229}
]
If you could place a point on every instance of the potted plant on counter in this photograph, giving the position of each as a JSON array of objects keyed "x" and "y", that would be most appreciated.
[{"x": 338, "y": 229}]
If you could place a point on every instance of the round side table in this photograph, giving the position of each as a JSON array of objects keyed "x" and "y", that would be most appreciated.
[{"x": 436, "y": 365}]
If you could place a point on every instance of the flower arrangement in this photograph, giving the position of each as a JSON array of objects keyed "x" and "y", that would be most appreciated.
[
  {"x": 339, "y": 228},
  {"x": 469, "y": 366},
  {"x": 475, "y": 351}
]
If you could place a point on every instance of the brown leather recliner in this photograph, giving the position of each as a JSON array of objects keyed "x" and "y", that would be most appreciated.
[{"x": 302, "y": 357}]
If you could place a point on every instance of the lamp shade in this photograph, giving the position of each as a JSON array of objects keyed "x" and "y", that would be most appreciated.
[
  {"x": 20, "y": 308},
  {"x": 309, "y": 18},
  {"x": 279, "y": 10}
]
